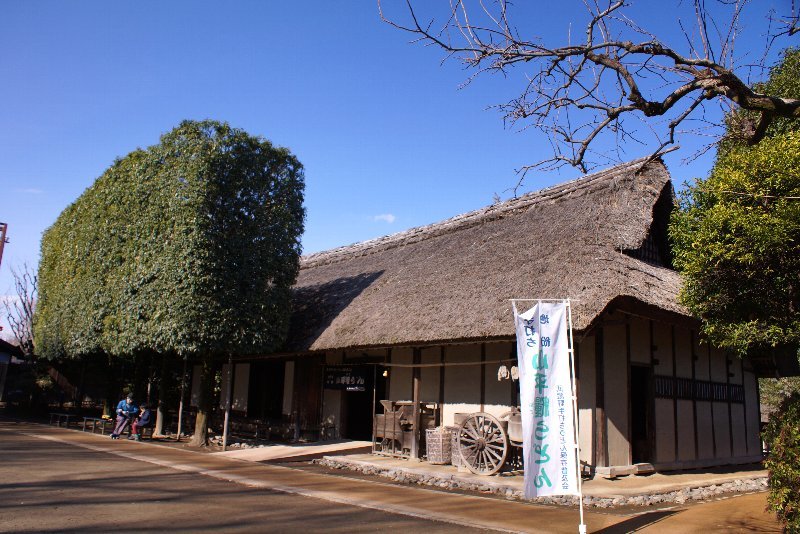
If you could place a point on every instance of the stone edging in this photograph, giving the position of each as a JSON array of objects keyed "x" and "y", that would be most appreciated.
[{"x": 698, "y": 493}]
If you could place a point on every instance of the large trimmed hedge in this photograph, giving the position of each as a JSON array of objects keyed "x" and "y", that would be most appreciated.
[{"x": 188, "y": 247}]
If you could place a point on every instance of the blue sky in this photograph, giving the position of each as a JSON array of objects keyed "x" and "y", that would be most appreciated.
[{"x": 388, "y": 138}]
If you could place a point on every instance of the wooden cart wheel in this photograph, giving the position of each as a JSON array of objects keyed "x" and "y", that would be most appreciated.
[{"x": 483, "y": 443}]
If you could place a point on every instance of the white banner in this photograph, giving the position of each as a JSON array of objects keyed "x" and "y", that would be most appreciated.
[{"x": 546, "y": 400}]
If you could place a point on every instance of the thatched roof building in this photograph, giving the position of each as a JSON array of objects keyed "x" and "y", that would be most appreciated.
[{"x": 599, "y": 239}]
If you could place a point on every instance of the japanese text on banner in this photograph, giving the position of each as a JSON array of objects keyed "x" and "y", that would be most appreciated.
[{"x": 546, "y": 400}]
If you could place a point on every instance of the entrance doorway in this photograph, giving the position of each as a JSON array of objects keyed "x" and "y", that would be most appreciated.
[
  {"x": 641, "y": 409},
  {"x": 357, "y": 411},
  {"x": 265, "y": 393}
]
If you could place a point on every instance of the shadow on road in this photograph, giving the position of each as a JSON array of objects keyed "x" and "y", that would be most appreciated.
[{"x": 638, "y": 522}]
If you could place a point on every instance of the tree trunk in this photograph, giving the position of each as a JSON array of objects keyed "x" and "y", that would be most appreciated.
[
  {"x": 204, "y": 403},
  {"x": 163, "y": 392}
]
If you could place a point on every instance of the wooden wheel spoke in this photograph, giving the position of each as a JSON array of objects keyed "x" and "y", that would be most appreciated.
[
  {"x": 496, "y": 439},
  {"x": 496, "y": 435},
  {"x": 471, "y": 432},
  {"x": 493, "y": 453},
  {"x": 484, "y": 443}
]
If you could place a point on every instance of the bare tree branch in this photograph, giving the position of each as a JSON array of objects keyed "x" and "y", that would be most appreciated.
[
  {"x": 20, "y": 307},
  {"x": 577, "y": 92}
]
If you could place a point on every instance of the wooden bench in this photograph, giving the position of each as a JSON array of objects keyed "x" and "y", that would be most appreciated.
[
  {"x": 94, "y": 423},
  {"x": 57, "y": 418}
]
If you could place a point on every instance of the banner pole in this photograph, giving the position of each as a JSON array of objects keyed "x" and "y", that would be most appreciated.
[{"x": 582, "y": 525}]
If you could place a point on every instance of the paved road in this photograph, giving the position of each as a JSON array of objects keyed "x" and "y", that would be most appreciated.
[{"x": 54, "y": 480}]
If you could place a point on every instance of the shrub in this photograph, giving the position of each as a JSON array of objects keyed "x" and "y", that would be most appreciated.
[{"x": 782, "y": 436}]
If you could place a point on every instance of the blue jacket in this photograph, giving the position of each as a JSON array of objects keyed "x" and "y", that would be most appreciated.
[
  {"x": 127, "y": 410},
  {"x": 146, "y": 418}
]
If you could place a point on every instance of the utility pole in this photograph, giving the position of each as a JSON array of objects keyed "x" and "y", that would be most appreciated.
[{"x": 3, "y": 239}]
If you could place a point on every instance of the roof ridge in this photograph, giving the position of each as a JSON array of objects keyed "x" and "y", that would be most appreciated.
[{"x": 467, "y": 219}]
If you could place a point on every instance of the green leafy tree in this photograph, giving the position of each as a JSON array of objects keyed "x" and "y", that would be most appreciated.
[
  {"x": 188, "y": 247},
  {"x": 736, "y": 236},
  {"x": 736, "y": 241}
]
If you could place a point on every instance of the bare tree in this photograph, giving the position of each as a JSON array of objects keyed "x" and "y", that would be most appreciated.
[
  {"x": 20, "y": 307},
  {"x": 615, "y": 79}
]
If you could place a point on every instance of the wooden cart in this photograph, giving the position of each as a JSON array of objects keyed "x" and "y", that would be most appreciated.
[{"x": 484, "y": 440}]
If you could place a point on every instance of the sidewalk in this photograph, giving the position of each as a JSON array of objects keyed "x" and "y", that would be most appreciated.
[
  {"x": 633, "y": 489},
  {"x": 297, "y": 452}
]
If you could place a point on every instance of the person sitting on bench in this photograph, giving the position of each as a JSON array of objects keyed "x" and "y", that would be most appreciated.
[
  {"x": 126, "y": 410},
  {"x": 145, "y": 420}
]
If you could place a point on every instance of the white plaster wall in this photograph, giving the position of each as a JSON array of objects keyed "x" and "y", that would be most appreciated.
[
  {"x": 429, "y": 376},
  {"x": 705, "y": 429},
  {"x": 718, "y": 366},
  {"x": 722, "y": 431},
  {"x": 400, "y": 378},
  {"x": 702, "y": 365},
  {"x": 683, "y": 353},
  {"x": 664, "y": 408},
  {"x": 752, "y": 413},
  {"x": 241, "y": 385},
  {"x": 722, "y": 423},
  {"x": 738, "y": 422},
  {"x": 665, "y": 430},
  {"x": 461, "y": 383},
  {"x": 662, "y": 341},
  {"x": 616, "y": 393},
  {"x": 735, "y": 370},
  {"x": 587, "y": 397},
  {"x": 739, "y": 437},
  {"x": 685, "y": 431},
  {"x": 498, "y": 393},
  {"x": 705, "y": 416},
  {"x": 683, "y": 360}
]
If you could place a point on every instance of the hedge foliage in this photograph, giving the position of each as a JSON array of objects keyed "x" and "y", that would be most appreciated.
[
  {"x": 189, "y": 246},
  {"x": 782, "y": 436}
]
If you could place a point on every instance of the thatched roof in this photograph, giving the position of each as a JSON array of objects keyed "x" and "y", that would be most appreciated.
[{"x": 597, "y": 239}]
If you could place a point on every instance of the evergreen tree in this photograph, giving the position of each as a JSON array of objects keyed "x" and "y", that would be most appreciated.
[{"x": 189, "y": 247}]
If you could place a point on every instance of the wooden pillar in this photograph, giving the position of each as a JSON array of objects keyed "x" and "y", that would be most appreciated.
[
  {"x": 628, "y": 391},
  {"x": 675, "y": 390},
  {"x": 483, "y": 377},
  {"x": 601, "y": 423},
  {"x": 415, "y": 399},
  {"x": 728, "y": 399},
  {"x": 441, "y": 385},
  {"x": 711, "y": 403}
]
